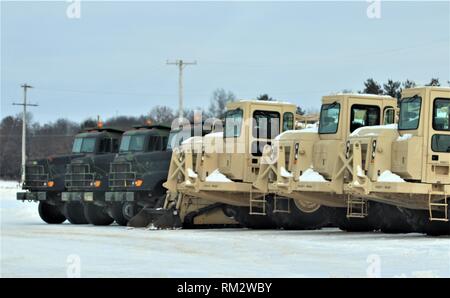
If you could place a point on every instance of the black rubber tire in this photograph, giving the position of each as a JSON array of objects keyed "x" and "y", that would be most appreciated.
[
  {"x": 96, "y": 215},
  {"x": 390, "y": 218},
  {"x": 130, "y": 209},
  {"x": 366, "y": 224},
  {"x": 50, "y": 214},
  {"x": 242, "y": 216},
  {"x": 420, "y": 223},
  {"x": 296, "y": 219},
  {"x": 117, "y": 214},
  {"x": 74, "y": 212}
]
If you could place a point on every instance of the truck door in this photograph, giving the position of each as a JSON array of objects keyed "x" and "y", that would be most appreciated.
[{"x": 438, "y": 160}]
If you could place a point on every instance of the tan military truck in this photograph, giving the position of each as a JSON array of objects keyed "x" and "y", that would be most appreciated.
[
  {"x": 303, "y": 173},
  {"x": 220, "y": 168},
  {"x": 409, "y": 166}
]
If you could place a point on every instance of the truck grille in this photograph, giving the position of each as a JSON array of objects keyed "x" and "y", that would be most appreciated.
[
  {"x": 35, "y": 176},
  {"x": 79, "y": 175},
  {"x": 121, "y": 174}
]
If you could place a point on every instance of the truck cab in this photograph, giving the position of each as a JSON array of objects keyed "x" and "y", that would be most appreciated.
[
  {"x": 309, "y": 166},
  {"x": 45, "y": 178},
  {"x": 408, "y": 166},
  {"x": 218, "y": 169},
  {"x": 86, "y": 177}
]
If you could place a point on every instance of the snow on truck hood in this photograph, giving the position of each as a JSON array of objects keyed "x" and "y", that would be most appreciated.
[
  {"x": 304, "y": 130},
  {"x": 375, "y": 127}
]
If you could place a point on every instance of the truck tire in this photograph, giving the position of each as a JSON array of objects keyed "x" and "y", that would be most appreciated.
[
  {"x": 50, "y": 214},
  {"x": 420, "y": 223},
  {"x": 391, "y": 219},
  {"x": 245, "y": 219},
  {"x": 297, "y": 219},
  {"x": 117, "y": 214},
  {"x": 74, "y": 213},
  {"x": 96, "y": 215},
  {"x": 366, "y": 224}
]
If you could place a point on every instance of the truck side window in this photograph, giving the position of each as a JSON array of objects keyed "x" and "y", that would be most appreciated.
[
  {"x": 441, "y": 114},
  {"x": 288, "y": 121},
  {"x": 155, "y": 143},
  {"x": 233, "y": 123},
  {"x": 105, "y": 145},
  {"x": 329, "y": 118},
  {"x": 115, "y": 145},
  {"x": 364, "y": 115},
  {"x": 440, "y": 143},
  {"x": 389, "y": 116},
  {"x": 410, "y": 113},
  {"x": 165, "y": 140},
  {"x": 266, "y": 124}
]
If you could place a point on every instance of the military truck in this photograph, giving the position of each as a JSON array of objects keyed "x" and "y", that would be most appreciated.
[
  {"x": 408, "y": 166},
  {"x": 303, "y": 172},
  {"x": 137, "y": 172},
  {"x": 45, "y": 178},
  {"x": 86, "y": 177},
  {"x": 221, "y": 167},
  {"x": 142, "y": 210}
]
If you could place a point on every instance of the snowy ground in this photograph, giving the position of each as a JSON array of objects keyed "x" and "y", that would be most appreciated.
[{"x": 31, "y": 248}]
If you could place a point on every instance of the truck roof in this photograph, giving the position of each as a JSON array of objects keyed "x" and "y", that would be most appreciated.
[
  {"x": 103, "y": 129},
  {"x": 144, "y": 126}
]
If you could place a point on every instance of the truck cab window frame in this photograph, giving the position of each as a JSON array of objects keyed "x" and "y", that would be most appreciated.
[
  {"x": 329, "y": 118},
  {"x": 233, "y": 123},
  {"x": 441, "y": 114},
  {"x": 364, "y": 115},
  {"x": 288, "y": 121},
  {"x": 410, "y": 109},
  {"x": 266, "y": 124}
]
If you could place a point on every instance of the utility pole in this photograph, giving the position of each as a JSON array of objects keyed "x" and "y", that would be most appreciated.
[
  {"x": 24, "y": 128},
  {"x": 181, "y": 64}
]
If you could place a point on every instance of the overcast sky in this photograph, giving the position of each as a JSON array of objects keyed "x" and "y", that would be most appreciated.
[{"x": 112, "y": 59}]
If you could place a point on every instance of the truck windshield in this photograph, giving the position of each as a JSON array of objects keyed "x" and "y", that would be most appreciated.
[
  {"x": 409, "y": 113},
  {"x": 83, "y": 145},
  {"x": 329, "y": 118},
  {"x": 233, "y": 123},
  {"x": 132, "y": 143}
]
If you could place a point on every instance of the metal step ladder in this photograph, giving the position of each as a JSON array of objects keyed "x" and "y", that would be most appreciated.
[
  {"x": 277, "y": 200},
  {"x": 257, "y": 206},
  {"x": 356, "y": 207},
  {"x": 441, "y": 205}
]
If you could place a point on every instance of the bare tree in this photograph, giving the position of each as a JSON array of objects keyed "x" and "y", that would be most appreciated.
[
  {"x": 162, "y": 115},
  {"x": 218, "y": 103}
]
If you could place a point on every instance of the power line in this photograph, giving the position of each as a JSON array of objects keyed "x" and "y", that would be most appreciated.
[
  {"x": 24, "y": 126},
  {"x": 181, "y": 64}
]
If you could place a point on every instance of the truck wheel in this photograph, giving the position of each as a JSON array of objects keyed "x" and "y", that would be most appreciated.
[
  {"x": 50, "y": 214},
  {"x": 74, "y": 213},
  {"x": 297, "y": 219},
  {"x": 96, "y": 215},
  {"x": 243, "y": 217},
  {"x": 129, "y": 210},
  {"x": 366, "y": 224},
  {"x": 420, "y": 223},
  {"x": 117, "y": 214},
  {"x": 391, "y": 219}
]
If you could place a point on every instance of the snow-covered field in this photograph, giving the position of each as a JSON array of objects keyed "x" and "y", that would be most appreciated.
[{"x": 31, "y": 248}]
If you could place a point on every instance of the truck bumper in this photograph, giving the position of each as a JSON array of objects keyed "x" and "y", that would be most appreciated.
[
  {"x": 32, "y": 196},
  {"x": 82, "y": 196},
  {"x": 119, "y": 196}
]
